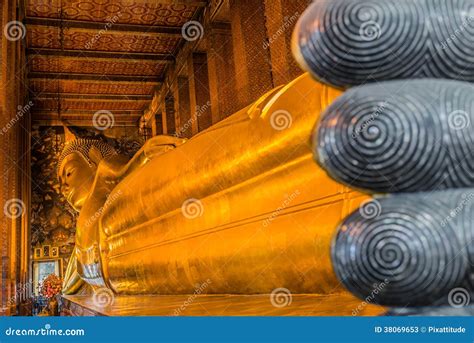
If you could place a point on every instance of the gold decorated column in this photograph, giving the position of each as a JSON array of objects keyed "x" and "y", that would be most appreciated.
[{"x": 14, "y": 142}]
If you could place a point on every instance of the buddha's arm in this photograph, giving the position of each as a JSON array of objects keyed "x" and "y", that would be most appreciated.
[
  {"x": 116, "y": 168},
  {"x": 72, "y": 281}
]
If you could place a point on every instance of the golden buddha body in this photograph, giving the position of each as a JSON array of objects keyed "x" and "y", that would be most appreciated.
[{"x": 241, "y": 204}]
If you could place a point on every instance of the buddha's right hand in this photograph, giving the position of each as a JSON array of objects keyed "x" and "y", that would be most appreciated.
[{"x": 405, "y": 131}]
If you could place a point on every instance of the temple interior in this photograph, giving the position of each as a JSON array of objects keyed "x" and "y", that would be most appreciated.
[
  {"x": 156, "y": 160},
  {"x": 128, "y": 71}
]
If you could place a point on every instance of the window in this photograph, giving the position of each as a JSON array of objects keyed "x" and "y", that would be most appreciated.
[{"x": 42, "y": 269}]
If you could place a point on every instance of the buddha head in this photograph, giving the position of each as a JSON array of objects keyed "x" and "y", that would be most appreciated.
[{"x": 77, "y": 168}]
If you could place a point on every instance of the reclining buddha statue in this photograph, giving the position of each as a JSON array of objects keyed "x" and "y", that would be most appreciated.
[
  {"x": 234, "y": 204},
  {"x": 307, "y": 188}
]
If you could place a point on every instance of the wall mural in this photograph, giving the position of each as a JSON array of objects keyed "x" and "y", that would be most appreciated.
[{"x": 53, "y": 220}]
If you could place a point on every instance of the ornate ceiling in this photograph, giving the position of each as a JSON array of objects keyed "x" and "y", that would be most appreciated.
[
  {"x": 86, "y": 56},
  {"x": 142, "y": 12},
  {"x": 85, "y": 40}
]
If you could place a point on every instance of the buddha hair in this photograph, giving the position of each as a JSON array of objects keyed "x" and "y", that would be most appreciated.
[{"x": 83, "y": 147}]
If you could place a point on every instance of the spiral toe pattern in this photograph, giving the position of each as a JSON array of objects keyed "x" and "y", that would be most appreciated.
[
  {"x": 352, "y": 42},
  {"x": 414, "y": 252},
  {"x": 400, "y": 137}
]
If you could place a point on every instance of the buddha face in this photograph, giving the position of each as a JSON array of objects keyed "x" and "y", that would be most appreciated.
[{"x": 76, "y": 177}]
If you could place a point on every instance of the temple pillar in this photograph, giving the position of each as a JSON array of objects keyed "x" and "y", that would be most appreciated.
[
  {"x": 182, "y": 107},
  {"x": 176, "y": 109},
  {"x": 253, "y": 68},
  {"x": 153, "y": 125},
  {"x": 169, "y": 125},
  {"x": 221, "y": 71},
  {"x": 193, "y": 127},
  {"x": 14, "y": 143},
  {"x": 284, "y": 14},
  {"x": 199, "y": 93},
  {"x": 162, "y": 110},
  {"x": 157, "y": 128}
]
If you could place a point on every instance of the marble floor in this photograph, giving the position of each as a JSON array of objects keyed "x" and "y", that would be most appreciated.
[{"x": 221, "y": 305}]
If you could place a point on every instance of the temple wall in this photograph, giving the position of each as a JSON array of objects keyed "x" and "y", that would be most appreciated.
[
  {"x": 284, "y": 14},
  {"x": 243, "y": 51},
  {"x": 53, "y": 219},
  {"x": 252, "y": 63}
]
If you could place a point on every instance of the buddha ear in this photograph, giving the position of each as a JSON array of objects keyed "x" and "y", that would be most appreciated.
[{"x": 95, "y": 155}]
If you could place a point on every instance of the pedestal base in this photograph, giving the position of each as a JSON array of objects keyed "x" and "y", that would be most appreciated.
[{"x": 221, "y": 305}]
